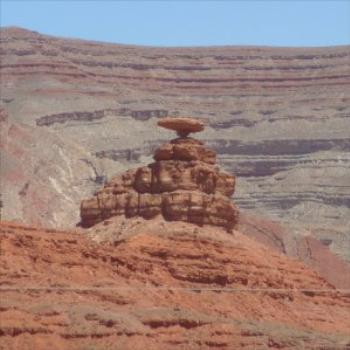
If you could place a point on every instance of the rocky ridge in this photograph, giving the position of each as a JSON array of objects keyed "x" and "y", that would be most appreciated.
[{"x": 183, "y": 184}]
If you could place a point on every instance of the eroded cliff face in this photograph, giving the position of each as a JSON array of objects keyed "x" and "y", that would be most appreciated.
[
  {"x": 163, "y": 285},
  {"x": 278, "y": 118},
  {"x": 41, "y": 175}
]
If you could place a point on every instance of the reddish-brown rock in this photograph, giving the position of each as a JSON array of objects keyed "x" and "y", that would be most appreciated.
[
  {"x": 168, "y": 286},
  {"x": 185, "y": 149},
  {"x": 182, "y": 125},
  {"x": 182, "y": 185}
]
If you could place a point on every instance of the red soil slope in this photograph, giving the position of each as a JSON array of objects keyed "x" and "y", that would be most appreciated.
[
  {"x": 307, "y": 249},
  {"x": 202, "y": 290}
]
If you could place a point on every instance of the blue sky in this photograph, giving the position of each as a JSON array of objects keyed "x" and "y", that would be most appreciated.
[{"x": 187, "y": 23}]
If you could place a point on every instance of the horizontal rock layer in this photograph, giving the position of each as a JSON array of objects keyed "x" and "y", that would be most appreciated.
[
  {"x": 278, "y": 118},
  {"x": 185, "y": 149},
  {"x": 186, "y": 206},
  {"x": 180, "y": 288}
]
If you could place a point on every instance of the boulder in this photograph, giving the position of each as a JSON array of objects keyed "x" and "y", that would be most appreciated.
[{"x": 182, "y": 125}]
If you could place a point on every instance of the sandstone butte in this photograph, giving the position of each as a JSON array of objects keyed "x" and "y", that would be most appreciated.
[
  {"x": 154, "y": 271},
  {"x": 183, "y": 184}
]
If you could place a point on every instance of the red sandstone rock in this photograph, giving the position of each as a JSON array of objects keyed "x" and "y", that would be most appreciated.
[
  {"x": 167, "y": 286},
  {"x": 185, "y": 151},
  {"x": 182, "y": 125},
  {"x": 183, "y": 185}
]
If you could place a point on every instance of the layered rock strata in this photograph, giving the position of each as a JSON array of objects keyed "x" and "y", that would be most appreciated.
[
  {"x": 183, "y": 184},
  {"x": 278, "y": 118},
  {"x": 159, "y": 290}
]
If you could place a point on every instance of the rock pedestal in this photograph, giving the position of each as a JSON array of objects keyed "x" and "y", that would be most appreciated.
[{"x": 183, "y": 184}]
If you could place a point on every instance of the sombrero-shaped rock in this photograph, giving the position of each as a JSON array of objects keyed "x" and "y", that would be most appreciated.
[{"x": 182, "y": 125}]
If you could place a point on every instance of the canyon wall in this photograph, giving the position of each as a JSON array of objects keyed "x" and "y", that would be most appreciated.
[{"x": 76, "y": 112}]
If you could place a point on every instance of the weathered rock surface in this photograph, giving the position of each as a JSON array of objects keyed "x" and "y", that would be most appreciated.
[
  {"x": 278, "y": 118},
  {"x": 43, "y": 187},
  {"x": 179, "y": 287},
  {"x": 182, "y": 185},
  {"x": 185, "y": 149}
]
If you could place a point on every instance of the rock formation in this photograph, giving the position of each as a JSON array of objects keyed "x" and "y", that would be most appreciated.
[
  {"x": 165, "y": 284},
  {"x": 183, "y": 126},
  {"x": 183, "y": 184},
  {"x": 278, "y": 118}
]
